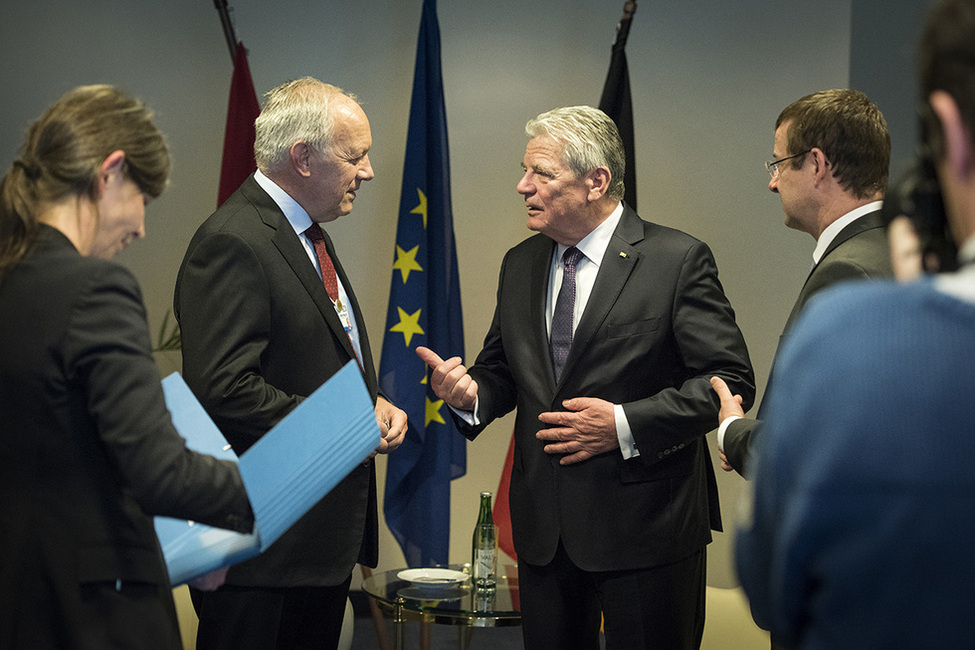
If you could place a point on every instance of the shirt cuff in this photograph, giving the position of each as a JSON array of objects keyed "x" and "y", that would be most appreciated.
[
  {"x": 470, "y": 417},
  {"x": 725, "y": 423},
  {"x": 623, "y": 433}
]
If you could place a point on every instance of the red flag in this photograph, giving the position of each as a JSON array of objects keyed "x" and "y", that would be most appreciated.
[
  {"x": 238, "y": 140},
  {"x": 501, "y": 513}
]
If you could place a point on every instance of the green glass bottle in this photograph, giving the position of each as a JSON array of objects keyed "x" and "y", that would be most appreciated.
[{"x": 484, "y": 562}]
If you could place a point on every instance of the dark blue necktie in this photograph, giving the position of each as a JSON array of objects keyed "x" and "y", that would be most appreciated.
[{"x": 561, "y": 337}]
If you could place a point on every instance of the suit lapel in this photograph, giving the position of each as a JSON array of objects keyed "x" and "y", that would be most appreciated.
[
  {"x": 367, "y": 363},
  {"x": 614, "y": 271},
  {"x": 538, "y": 291},
  {"x": 291, "y": 249},
  {"x": 868, "y": 221}
]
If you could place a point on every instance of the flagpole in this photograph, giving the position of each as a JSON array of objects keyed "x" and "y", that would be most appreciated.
[
  {"x": 623, "y": 28},
  {"x": 228, "y": 27}
]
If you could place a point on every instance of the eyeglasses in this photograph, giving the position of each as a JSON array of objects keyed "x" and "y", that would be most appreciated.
[{"x": 773, "y": 165}]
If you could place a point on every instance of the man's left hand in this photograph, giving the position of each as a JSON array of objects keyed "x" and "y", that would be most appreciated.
[
  {"x": 392, "y": 425},
  {"x": 585, "y": 429}
]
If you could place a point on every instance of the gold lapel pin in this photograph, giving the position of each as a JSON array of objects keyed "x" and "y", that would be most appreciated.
[{"x": 622, "y": 254}]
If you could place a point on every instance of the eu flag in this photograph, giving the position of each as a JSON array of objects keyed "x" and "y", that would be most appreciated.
[{"x": 424, "y": 309}]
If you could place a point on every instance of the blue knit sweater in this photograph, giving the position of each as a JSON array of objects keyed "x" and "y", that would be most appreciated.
[{"x": 863, "y": 528}]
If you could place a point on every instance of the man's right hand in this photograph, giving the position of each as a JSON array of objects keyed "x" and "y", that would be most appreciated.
[
  {"x": 449, "y": 380},
  {"x": 730, "y": 404},
  {"x": 730, "y": 407}
]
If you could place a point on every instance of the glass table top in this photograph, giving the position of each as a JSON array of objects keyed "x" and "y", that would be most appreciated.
[{"x": 457, "y": 603}]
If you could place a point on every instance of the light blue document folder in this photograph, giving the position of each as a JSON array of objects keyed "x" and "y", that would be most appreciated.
[{"x": 285, "y": 473}]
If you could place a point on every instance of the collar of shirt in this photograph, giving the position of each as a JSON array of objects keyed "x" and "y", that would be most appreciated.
[
  {"x": 593, "y": 247},
  {"x": 833, "y": 229},
  {"x": 293, "y": 212}
]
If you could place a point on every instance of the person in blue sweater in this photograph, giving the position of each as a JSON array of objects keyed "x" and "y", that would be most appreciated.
[{"x": 861, "y": 534}]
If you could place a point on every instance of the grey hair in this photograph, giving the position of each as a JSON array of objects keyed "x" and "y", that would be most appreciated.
[
  {"x": 296, "y": 111},
  {"x": 589, "y": 139}
]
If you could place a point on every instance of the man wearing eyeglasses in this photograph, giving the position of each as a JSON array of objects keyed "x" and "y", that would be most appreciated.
[
  {"x": 829, "y": 167},
  {"x": 861, "y": 534}
]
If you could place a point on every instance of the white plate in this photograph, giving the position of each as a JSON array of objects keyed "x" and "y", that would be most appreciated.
[{"x": 427, "y": 578}]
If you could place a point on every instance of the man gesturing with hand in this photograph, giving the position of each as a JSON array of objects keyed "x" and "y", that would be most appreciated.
[{"x": 606, "y": 332}]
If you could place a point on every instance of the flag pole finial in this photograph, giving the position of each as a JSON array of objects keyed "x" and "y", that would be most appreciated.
[
  {"x": 623, "y": 27},
  {"x": 228, "y": 27}
]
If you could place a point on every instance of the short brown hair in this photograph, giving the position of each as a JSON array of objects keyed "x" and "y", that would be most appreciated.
[
  {"x": 850, "y": 130},
  {"x": 63, "y": 152}
]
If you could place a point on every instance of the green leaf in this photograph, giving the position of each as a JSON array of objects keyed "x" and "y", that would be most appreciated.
[{"x": 169, "y": 338}]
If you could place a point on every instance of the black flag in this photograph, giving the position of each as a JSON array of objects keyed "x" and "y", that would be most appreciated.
[{"x": 616, "y": 102}]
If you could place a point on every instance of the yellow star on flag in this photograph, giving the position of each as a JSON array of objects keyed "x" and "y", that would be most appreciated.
[
  {"x": 421, "y": 208},
  {"x": 406, "y": 261},
  {"x": 409, "y": 324},
  {"x": 433, "y": 412}
]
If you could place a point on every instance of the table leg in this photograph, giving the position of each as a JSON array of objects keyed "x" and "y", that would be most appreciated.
[
  {"x": 377, "y": 615},
  {"x": 399, "y": 635},
  {"x": 425, "y": 634}
]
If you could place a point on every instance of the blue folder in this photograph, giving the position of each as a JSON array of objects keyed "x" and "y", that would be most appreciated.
[{"x": 290, "y": 469}]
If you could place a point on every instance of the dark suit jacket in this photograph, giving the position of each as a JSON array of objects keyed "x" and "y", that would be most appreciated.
[
  {"x": 259, "y": 335},
  {"x": 859, "y": 252},
  {"x": 656, "y": 327},
  {"x": 89, "y": 454}
]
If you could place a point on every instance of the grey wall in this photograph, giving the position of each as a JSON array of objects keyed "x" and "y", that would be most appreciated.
[
  {"x": 709, "y": 77},
  {"x": 883, "y": 57}
]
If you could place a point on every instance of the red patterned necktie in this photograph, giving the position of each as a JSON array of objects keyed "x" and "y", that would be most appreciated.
[
  {"x": 324, "y": 261},
  {"x": 330, "y": 278}
]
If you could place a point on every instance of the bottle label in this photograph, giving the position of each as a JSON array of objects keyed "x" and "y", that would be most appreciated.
[{"x": 484, "y": 567}]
